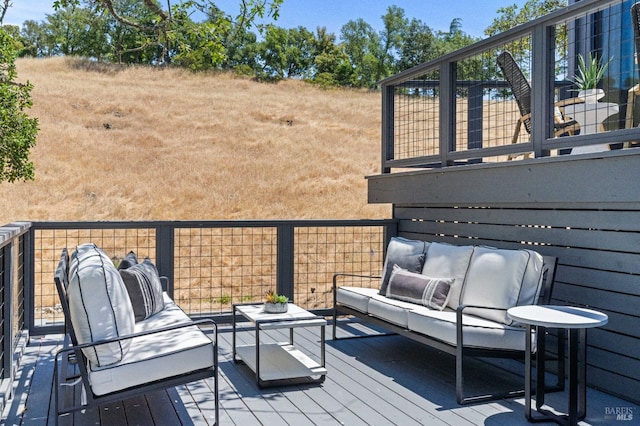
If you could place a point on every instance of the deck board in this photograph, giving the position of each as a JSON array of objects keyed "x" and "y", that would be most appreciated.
[{"x": 370, "y": 381}]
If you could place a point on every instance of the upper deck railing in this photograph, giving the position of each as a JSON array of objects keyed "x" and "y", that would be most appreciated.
[{"x": 458, "y": 109}]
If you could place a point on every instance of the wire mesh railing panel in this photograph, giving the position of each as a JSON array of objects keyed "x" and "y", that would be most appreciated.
[
  {"x": 321, "y": 252},
  {"x": 487, "y": 111},
  {"x": 217, "y": 264},
  {"x": 4, "y": 281},
  {"x": 217, "y": 267},
  {"x": 17, "y": 290},
  {"x": 48, "y": 245},
  {"x": 417, "y": 117}
]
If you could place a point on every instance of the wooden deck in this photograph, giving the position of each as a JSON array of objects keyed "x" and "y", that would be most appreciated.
[{"x": 374, "y": 381}]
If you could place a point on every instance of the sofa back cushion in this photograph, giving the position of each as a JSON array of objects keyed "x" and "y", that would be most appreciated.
[
  {"x": 99, "y": 305},
  {"x": 407, "y": 254},
  {"x": 501, "y": 279},
  {"x": 446, "y": 260}
]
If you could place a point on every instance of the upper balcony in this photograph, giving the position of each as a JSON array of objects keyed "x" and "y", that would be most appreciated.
[{"x": 462, "y": 108}]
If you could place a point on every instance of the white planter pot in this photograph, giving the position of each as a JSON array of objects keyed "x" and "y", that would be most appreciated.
[{"x": 591, "y": 96}]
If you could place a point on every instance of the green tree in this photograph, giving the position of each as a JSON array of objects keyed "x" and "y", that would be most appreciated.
[
  {"x": 73, "y": 31},
  {"x": 455, "y": 39},
  {"x": 361, "y": 45},
  {"x": 4, "y": 6},
  {"x": 17, "y": 130},
  {"x": 166, "y": 28},
  {"x": 331, "y": 64},
  {"x": 391, "y": 40},
  {"x": 33, "y": 36},
  {"x": 287, "y": 53},
  {"x": 198, "y": 46},
  {"x": 418, "y": 45},
  {"x": 511, "y": 16}
]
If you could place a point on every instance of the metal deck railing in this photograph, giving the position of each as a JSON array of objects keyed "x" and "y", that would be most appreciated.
[{"x": 458, "y": 109}]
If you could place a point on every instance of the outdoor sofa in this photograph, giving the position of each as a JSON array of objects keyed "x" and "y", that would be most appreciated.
[
  {"x": 127, "y": 336},
  {"x": 455, "y": 299}
]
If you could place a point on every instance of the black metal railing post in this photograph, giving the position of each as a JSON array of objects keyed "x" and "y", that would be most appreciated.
[
  {"x": 542, "y": 85},
  {"x": 447, "y": 111},
  {"x": 388, "y": 102},
  {"x": 165, "y": 258},
  {"x": 285, "y": 260},
  {"x": 6, "y": 308}
]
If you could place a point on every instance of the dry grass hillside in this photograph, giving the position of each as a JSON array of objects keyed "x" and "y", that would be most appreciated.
[{"x": 144, "y": 144}]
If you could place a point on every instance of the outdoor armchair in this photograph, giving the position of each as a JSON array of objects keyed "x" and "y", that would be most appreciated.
[{"x": 521, "y": 90}]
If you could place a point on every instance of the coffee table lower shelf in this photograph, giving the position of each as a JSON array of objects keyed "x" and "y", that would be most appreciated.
[{"x": 281, "y": 362}]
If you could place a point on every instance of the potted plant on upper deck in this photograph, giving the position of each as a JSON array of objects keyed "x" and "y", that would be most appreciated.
[
  {"x": 589, "y": 74},
  {"x": 275, "y": 303}
]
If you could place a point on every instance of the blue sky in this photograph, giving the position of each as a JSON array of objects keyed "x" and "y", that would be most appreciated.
[{"x": 476, "y": 15}]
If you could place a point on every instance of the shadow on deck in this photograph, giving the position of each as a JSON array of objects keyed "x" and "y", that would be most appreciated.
[{"x": 372, "y": 381}]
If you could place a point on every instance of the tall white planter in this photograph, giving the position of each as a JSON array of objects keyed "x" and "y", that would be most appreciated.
[{"x": 591, "y": 96}]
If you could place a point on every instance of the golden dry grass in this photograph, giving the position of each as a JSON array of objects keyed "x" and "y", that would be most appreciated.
[{"x": 147, "y": 144}]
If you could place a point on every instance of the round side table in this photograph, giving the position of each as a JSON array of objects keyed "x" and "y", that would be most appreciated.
[{"x": 569, "y": 319}]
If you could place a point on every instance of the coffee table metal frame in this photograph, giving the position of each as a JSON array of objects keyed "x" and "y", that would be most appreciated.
[{"x": 279, "y": 363}]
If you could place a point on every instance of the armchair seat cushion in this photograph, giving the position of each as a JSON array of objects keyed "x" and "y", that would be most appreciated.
[{"x": 156, "y": 356}]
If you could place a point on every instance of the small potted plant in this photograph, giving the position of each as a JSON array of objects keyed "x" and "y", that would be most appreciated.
[
  {"x": 588, "y": 75},
  {"x": 275, "y": 303}
]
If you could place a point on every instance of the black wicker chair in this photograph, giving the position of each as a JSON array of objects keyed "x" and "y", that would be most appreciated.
[{"x": 521, "y": 90}]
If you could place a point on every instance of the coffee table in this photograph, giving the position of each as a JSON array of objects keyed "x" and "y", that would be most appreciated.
[
  {"x": 279, "y": 363},
  {"x": 576, "y": 320}
]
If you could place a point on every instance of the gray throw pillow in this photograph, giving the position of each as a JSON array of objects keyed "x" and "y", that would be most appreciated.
[
  {"x": 129, "y": 260},
  {"x": 420, "y": 289},
  {"x": 144, "y": 288},
  {"x": 406, "y": 253}
]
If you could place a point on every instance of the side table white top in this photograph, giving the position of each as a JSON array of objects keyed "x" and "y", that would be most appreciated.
[{"x": 556, "y": 316}]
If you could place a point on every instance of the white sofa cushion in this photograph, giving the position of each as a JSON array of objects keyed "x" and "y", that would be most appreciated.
[
  {"x": 99, "y": 305},
  {"x": 392, "y": 310},
  {"x": 477, "y": 332},
  {"x": 417, "y": 288},
  {"x": 407, "y": 254},
  {"x": 355, "y": 297},
  {"x": 501, "y": 279},
  {"x": 156, "y": 356},
  {"x": 446, "y": 260}
]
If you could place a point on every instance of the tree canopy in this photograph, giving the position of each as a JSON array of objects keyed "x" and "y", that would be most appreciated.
[
  {"x": 17, "y": 130},
  {"x": 198, "y": 35}
]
